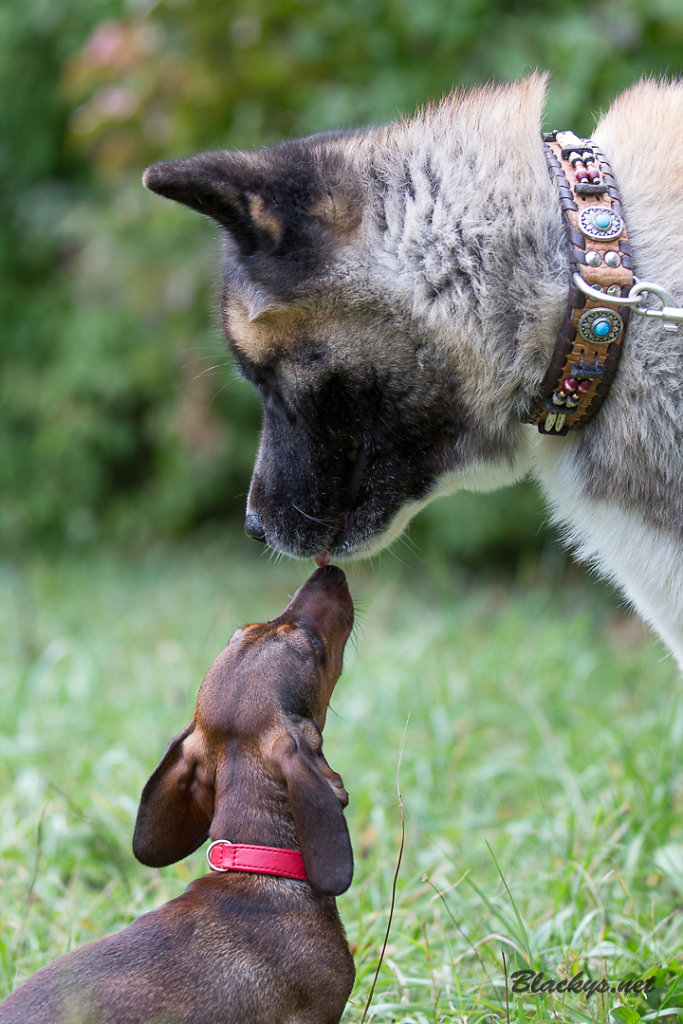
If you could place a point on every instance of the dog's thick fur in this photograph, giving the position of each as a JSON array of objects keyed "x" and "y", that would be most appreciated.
[
  {"x": 395, "y": 296},
  {"x": 234, "y": 948}
]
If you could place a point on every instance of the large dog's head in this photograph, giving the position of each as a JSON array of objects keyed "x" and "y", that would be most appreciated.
[{"x": 359, "y": 270}]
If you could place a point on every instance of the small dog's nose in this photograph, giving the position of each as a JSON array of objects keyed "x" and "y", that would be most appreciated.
[
  {"x": 331, "y": 575},
  {"x": 253, "y": 526}
]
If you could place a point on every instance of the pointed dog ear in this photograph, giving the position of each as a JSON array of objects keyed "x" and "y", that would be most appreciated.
[
  {"x": 274, "y": 200},
  {"x": 218, "y": 185},
  {"x": 318, "y": 818},
  {"x": 176, "y": 806}
]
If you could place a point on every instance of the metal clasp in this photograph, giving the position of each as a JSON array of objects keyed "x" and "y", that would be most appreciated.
[
  {"x": 670, "y": 313},
  {"x": 216, "y": 842}
]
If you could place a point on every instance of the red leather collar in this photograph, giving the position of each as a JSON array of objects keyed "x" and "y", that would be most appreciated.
[{"x": 222, "y": 855}]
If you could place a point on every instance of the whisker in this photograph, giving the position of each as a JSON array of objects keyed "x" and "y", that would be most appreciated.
[
  {"x": 409, "y": 546},
  {"x": 202, "y": 373},
  {"x": 199, "y": 355},
  {"x": 205, "y": 371},
  {"x": 219, "y": 391},
  {"x": 313, "y": 519},
  {"x": 211, "y": 346}
]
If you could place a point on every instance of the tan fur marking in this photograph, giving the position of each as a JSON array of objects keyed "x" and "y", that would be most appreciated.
[
  {"x": 248, "y": 335},
  {"x": 261, "y": 332},
  {"x": 339, "y": 210},
  {"x": 265, "y": 218}
]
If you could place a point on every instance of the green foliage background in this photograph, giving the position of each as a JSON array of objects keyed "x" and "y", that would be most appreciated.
[{"x": 119, "y": 411}]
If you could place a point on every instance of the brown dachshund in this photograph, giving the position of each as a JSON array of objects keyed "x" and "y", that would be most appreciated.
[{"x": 239, "y": 946}]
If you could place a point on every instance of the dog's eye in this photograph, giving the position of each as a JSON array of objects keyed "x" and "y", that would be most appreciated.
[
  {"x": 306, "y": 642},
  {"x": 308, "y": 355},
  {"x": 317, "y": 646},
  {"x": 303, "y": 642}
]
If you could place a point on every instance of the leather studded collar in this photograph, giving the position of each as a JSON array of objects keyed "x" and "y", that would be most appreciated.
[{"x": 586, "y": 354}]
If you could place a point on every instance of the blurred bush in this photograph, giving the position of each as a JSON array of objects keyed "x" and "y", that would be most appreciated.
[{"x": 119, "y": 410}]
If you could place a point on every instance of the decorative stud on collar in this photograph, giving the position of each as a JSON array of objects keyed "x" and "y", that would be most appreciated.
[{"x": 588, "y": 346}]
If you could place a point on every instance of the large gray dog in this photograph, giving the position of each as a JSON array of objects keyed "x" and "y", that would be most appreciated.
[{"x": 395, "y": 295}]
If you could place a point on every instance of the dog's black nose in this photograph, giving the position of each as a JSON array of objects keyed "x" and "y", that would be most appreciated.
[{"x": 253, "y": 526}]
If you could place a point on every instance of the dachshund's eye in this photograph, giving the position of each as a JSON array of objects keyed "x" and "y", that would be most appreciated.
[
  {"x": 310, "y": 732},
  {"x": 317, "y": 645}
]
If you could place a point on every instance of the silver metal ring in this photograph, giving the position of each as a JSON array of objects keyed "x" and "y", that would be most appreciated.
[
  {"x": 598, "y": 296},
  {"x": 210, "y": 847}
]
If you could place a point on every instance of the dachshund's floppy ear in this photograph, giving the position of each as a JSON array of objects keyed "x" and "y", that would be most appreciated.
[
  {"x": 176, "y": 806},
  {"x": 318, "y": 817}
]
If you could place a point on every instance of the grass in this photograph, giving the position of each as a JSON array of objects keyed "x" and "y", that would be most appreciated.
[{"x": 540, "y": 776}]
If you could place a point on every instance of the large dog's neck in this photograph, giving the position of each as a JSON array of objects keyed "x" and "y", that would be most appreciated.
[
  {"x": 472, "y": 231},
  {"x": 466, "y": 231}
]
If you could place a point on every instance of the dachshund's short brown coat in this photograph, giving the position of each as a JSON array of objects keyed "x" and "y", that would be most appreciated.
[{"x": 234, "y": 948}]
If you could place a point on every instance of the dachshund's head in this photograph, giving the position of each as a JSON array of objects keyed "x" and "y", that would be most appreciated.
[{"x": 258, "y": 720}]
